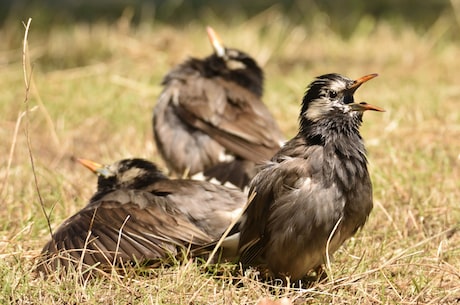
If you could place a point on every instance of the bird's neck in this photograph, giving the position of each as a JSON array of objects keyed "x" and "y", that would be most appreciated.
[
  {"x": 340, "y": 136},
  {"x": 337, "y": 150}
]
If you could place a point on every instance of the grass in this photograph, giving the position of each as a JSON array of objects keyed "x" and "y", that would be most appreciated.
[{"x": 95, "y": 87}]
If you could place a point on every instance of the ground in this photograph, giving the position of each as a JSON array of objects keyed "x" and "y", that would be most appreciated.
[{"x": 92, "y": 90}]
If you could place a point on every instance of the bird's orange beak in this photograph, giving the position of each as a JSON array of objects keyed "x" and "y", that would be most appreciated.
[
  {"x": 215, "y": 42},
  {"x": 363, "y": 106},
  {"x": 96, "y": 168},
  {"x": 358, "y": 82}
]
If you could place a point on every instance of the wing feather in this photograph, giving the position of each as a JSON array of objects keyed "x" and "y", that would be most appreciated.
[
  {"x": 151, "y": 228},
  {"x": 232, "y": 116}
]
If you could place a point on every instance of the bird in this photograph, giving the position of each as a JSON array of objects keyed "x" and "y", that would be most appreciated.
[
  {"x": 210, "y": 120},
  {"x": 138, "y": 214},
  {"x": 316, "y": 191}
]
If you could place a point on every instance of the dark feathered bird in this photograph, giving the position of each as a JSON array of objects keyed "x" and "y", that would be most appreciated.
[
  {"x": 210, "y": 117},
  {"x": 316, "y": 191},
  {"x": 138, "y": 214}
]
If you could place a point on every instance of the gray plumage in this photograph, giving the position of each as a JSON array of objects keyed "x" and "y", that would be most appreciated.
[
  {"x": 210, "y": 118},
  {"x": 317, "y": 181},
  {"x": 138, "y": 214}
]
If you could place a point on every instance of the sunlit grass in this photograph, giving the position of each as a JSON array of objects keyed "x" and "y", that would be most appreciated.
[{"x": 98, "y": 84}]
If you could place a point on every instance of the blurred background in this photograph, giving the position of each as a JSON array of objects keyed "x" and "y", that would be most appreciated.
[
  {"x": 124, "y": 47},
  {"x": 343, "y": 16},
  {"x": 95, "y": 67}
]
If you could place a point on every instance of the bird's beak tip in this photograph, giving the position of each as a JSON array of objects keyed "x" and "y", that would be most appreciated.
[
  {"x": 215, "y": 42},
  {"x": 358, "y": 82},
  {"x": 363, "y": 106},
  {"x": 91, "y": 165},
  {"x": 367, "y": 77}
]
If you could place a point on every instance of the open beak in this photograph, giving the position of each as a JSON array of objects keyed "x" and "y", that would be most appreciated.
[
  {"x": 363, "y": 106},
  {"x": 358, "y": 82},
  {"x": 215, "y": 42},
  {"x": 97, "y": 168}
]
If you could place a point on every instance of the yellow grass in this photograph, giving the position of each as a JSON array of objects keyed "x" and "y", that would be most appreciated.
[{"x": 92, "y": 90}]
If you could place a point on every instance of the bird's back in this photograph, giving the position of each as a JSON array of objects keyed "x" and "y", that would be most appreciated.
[
  {"x": 185, "y": 149},
  {"x": 209, "y": 123},
  {"x": 154, "y": 223},
  {"x": 209, "y": 206},
  {"x": 122, "y": 226}
]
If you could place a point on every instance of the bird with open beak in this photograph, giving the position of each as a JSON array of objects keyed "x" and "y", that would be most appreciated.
[
  {"x": 210, "y": 118},
  {"x": 316, "y": 191}
]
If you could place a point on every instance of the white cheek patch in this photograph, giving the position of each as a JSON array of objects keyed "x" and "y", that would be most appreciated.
[
  {"x": 235, "y": 65},
  {"x": 131, "y": 174},
  {"x": 317, "y": 109}
]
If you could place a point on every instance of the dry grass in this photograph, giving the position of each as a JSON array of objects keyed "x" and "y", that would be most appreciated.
[{"x": 95, "y": 86}]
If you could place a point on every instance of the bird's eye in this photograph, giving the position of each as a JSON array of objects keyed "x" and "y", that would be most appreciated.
[{"x": 332, "y": 94}]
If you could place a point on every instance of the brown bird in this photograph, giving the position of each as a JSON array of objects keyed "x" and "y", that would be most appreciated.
[
  {"x": 138, "y": 214},
  {"x": 316, "y": 191},
  {"x": 210, "y": 118}
]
